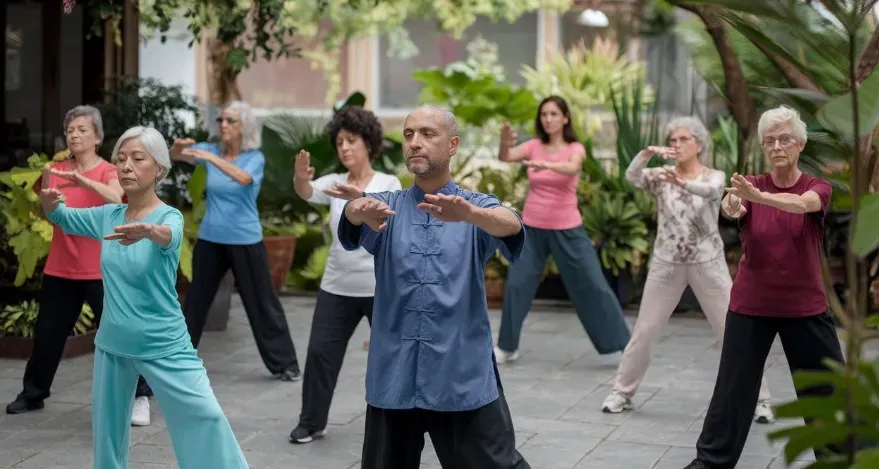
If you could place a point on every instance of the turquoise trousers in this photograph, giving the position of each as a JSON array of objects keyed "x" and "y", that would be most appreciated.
[{"x": 200, "y": 432}]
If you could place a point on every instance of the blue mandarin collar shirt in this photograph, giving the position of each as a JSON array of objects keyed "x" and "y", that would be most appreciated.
[{"x": 430, "y": 342}]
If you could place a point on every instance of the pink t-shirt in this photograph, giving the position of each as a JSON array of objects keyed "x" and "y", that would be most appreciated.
[
  {"x": 71, "y": 256},
  {"x": 780, "y": 272},
  {"x": 551, "y": 203}
]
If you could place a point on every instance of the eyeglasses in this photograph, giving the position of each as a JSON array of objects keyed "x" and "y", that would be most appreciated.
[
  {"x": 783, "y": 140},
  {"x": 228, "y": 120}
]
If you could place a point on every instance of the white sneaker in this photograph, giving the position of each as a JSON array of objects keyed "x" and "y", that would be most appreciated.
[
  {"x": 140, "y": 414},
  {"x": 505, "y": 356},
  {"x": 616, "y": 403},
  {"x": 763, "y": 414}
]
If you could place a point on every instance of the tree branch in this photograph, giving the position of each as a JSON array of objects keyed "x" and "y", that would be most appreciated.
[{"x": 794, "y": 76}]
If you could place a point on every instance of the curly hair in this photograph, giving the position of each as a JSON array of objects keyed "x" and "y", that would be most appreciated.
[{"x": 359, "y": 121}]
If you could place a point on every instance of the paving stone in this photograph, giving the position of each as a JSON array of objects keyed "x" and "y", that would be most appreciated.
[{"x": 555, "y": 391}]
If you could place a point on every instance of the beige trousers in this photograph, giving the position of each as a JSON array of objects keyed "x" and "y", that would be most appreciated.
[{"x": 666, "y": 282}]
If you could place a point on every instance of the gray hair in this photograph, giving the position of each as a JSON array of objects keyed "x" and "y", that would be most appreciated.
[
  {"x": 695, "y": 126},
  {"x": 781, "y": 115},
  {"x": 251, "y": 139},
  {"x": 86, "y": 111},
  {"x": 154, "y": 144},
  {"x": 446, "y": 116}
]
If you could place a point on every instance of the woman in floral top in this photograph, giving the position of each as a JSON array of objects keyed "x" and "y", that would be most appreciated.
[{"x": 688, "y": 251}]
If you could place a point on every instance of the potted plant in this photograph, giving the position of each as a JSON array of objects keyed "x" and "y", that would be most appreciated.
[
  {"x": 495, "y": 279},
  {"x": 615, "y": 226},
  {"x": 17, "y": 324}
]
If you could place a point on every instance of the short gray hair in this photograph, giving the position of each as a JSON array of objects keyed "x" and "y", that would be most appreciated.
[
  {"x": 446, "y": 116},
  {"x": 251, "y": 139},
  {"x": 780, "y": 115},
  {"x": 152, "y": 141},
  {"x": 86, "y": 111},
  {"x": 695, "y": 126}
]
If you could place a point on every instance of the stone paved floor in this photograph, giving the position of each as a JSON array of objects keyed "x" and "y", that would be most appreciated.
[{"x": 554, "y": 390}]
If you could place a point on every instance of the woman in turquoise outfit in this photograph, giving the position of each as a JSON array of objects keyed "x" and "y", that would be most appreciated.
[{"x": 143, "y": 331}]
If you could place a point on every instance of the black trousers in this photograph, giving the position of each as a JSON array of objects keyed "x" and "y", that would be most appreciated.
[
  {"x": 335, "y": 319},
  {"x": 481, "y": 438},
  {"x": 807, "y": 341},
  {"x": 250, "y": 265},
  {"x": 61, "y": 303}
]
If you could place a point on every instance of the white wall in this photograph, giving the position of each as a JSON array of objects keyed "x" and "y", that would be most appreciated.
[{"x": 172, "y": 63}]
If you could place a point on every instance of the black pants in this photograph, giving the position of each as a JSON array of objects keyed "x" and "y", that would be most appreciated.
[
  {"x": 250, "y": 266},
  {"x": 335, "y": 319},
  {"x": 61, "y": 303},
  {"x": 807, "y": 341},
  {"x": 481, "y": 438}
]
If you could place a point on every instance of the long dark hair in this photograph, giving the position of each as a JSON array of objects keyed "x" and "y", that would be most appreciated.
[{"x": 568, "y": 133}]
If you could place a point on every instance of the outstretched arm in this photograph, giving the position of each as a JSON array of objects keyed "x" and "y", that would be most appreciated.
[{"x": 88, "y": 222}]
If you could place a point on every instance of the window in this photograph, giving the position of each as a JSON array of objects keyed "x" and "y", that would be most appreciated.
[
  {"x": 517, "y": 43},
  {"x": 680, "y": 89}
]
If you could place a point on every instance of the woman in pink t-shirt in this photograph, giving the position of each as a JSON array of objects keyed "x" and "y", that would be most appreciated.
[
  {"x": 554, "y": 225},
  {"x": 73, "y": 270},
  {"x": 778, "y": 289}
]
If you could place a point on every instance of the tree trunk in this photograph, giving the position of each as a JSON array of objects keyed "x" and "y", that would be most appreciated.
[
  {"x": 222, "y": 77},
  {"x": 737, "y": 91}
]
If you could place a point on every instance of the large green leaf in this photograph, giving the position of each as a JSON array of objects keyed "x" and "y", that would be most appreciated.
[
  {"x": 838, "y": 115},
  {"x": 866, "y": 236}
]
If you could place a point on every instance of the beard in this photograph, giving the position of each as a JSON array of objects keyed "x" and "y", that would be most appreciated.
[{"x": 423, "y": 168}]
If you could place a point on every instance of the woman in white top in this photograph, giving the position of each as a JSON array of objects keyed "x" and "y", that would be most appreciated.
[
  {"x": 348, "y": 284},
  {"x": 688, "y": 250}
]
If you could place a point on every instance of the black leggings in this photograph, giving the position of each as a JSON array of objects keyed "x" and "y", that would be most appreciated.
[
  {"x": 335, "y": 319},
  {"x": 61, "y": 303},
  {"x": 250, "y": 266}
]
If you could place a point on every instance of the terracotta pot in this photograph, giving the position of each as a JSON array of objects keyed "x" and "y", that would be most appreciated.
[
  {"x": 280, "y": 251},
  {"x": 14, "y": 347},
  {"x": 494, "y": 292}
]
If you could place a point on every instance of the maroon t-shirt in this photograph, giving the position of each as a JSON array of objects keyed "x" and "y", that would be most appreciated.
[{"x": 780, "y": 272}]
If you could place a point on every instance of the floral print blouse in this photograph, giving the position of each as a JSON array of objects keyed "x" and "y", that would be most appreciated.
[{"x": 687, "y": 229}]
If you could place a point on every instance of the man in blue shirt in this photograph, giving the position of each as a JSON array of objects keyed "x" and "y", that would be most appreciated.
[{"x": 431, "y": 367}]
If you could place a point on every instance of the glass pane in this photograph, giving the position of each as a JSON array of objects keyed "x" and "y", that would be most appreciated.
[
  {"x": 24, "y": 80},
  {"x": 517, "y": 41}
]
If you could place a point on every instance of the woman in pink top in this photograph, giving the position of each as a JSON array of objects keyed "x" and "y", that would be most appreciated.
[
  {"x": 554, "y": 225},
  {"x": 73, "y": 270},
  {"x": 778, "y": 289}
]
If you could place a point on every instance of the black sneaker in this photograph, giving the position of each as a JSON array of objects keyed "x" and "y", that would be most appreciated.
[
  {"x": 23, "y": 405},
  {"x": 290, "y": 375},
  {"x": 302, "y": 435},
  {"x": 696, "y": 463}
]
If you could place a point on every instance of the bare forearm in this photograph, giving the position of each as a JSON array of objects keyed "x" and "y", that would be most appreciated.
[
  {"x": 107, "y": 193},
  {"x": 567, "y": 168},
  {"x": 793, "y": 203},
  {"x": 303, "y": 188},
  {"x": 503, "y": 153},
  {"x": 240, "y": 176},
  {"x": 497, "y": 221},
  {"x": 161, "y": 235}
]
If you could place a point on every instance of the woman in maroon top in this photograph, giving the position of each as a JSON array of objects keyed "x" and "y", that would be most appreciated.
[{"x": 778, "y": 289}]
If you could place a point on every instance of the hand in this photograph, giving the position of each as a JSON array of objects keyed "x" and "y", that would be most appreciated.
[
  {"x": 73, "y": 176},
  {"x": 732, "y": 205},
  {"x": 509, "y": 137},
  {"x": 669, "y": 175},
  {"x": 369, "y": 211},
  {"x": 302, "y": 169},
  {"x": 50, "y": 198},
  {"x": 130, "y": 234},
  {"x": 344, "y": 191},
  {"x": 447, "y": 208},
  {"x": 197, "y": 154},
  {"x": 178, "y": 146},
  {"x": 743, "y": 188},
  {"x": 536, "y": 165},
  {"x": 666, "y": 152}
]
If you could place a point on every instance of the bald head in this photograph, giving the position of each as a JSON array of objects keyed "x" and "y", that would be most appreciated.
[{"x": 443, "y": 116}]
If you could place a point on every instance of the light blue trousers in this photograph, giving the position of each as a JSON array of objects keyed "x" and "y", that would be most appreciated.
[{"x": 200, "y": 432}]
